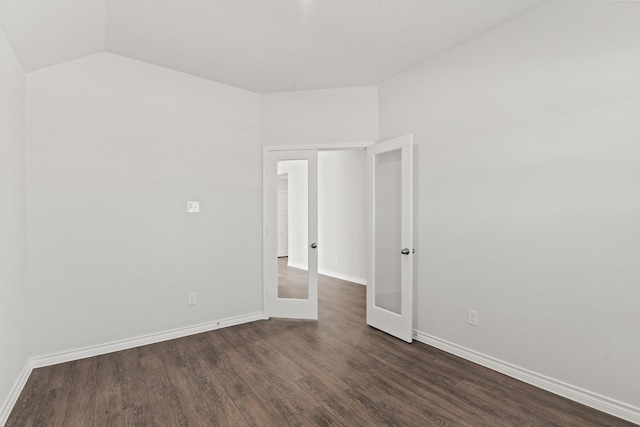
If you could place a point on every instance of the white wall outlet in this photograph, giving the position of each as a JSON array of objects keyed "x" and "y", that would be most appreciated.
[
  {"x": 472, "y": 317},
  {"x": 191, "y": 298},
  {"x": 193, "y": 207}
]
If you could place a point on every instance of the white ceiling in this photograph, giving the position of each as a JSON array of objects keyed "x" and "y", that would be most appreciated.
[
  {"x": 260, "y": 45},
  {"x": 48, "y": 32}
]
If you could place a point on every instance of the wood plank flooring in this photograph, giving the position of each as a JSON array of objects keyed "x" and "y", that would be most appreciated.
[{"x": 333, "y": 372}]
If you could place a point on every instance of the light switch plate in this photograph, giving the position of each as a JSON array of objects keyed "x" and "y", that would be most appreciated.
[
  {"x": 472, "y": 317},
  {"x": 193, "y": 207}
]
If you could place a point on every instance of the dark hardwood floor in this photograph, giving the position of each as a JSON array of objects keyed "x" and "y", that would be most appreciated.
[{"x": 336, "y": 371}]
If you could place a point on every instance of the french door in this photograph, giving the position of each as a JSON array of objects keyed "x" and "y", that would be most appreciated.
[
  {"x": 390, "y": 225},
  {"x": 292, "y": 280}
]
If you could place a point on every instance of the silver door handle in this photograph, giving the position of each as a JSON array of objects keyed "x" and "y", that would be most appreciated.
[
  {"x": 314, "y": 245},
  {"x": 405, "y": 251}
]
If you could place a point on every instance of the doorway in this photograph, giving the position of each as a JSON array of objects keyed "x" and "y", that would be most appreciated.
[
  {"x": 341, "y": 225},
  {"x": 386, "y": 222},
  {"x": 338, "y": 233}
]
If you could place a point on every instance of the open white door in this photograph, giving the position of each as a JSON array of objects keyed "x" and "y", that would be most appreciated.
[
  {"x": 292, "y": 281},
  {"x": 390, "y": 224}
]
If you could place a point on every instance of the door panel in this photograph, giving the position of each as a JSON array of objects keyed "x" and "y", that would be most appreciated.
[
  {"x": 292, "y": 288},
  {"x": 390, "y": 220}
]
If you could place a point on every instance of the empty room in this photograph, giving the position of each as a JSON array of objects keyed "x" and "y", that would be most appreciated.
[{"x": 319, "y": 212}]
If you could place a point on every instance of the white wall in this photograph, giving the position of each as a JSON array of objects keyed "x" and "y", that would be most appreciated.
[
  {"x": 342, "y": 225},
  {"x": 115, "y": 149},
  {"x": 283, "y": 215},
  {"x": 298, "y": 214},
  {"x": 342, "y": 239},
  {"x": 529, "y": 176},
  {"x": 320, "y": 116},
  {"x": 13, "y": 342}
]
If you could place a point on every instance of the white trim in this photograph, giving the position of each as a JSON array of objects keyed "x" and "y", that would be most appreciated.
[
  {"x": 11, "y": 400},
  {"x": 319, "y": 147},
  {"x": 97, "y": 350},
  {"x": 357, "y": 280},
  {"x": 265, "y": 231},
  {"x": 298, "y": 266},
  {"x": 346, "y": 277},
  {"x": 594, "y": 400}
]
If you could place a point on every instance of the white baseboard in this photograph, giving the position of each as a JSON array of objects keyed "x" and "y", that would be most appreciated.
[
  {"x": 602, "y": 403},
  {"x": 298, "y": 266},
  {"x": 11, "y": 400},
  {"x": 353, "y": 279},
  {"x": 358, "y": 280},
  {"x": 97, "y": 350}
]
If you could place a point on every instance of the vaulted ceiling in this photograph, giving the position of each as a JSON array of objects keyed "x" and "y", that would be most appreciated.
[{"x": 259, "y": 45}]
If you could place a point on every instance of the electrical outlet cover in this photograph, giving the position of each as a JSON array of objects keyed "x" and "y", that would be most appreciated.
[{"x": 191, "y": 298}]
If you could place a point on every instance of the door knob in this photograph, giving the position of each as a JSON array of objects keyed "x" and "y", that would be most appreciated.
[
  {"x": 405, "y": 251},
  {"x": 314, "y": 245}
]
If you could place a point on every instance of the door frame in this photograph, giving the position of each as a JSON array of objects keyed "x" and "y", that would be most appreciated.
[{"x": 265, "y": 199}]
